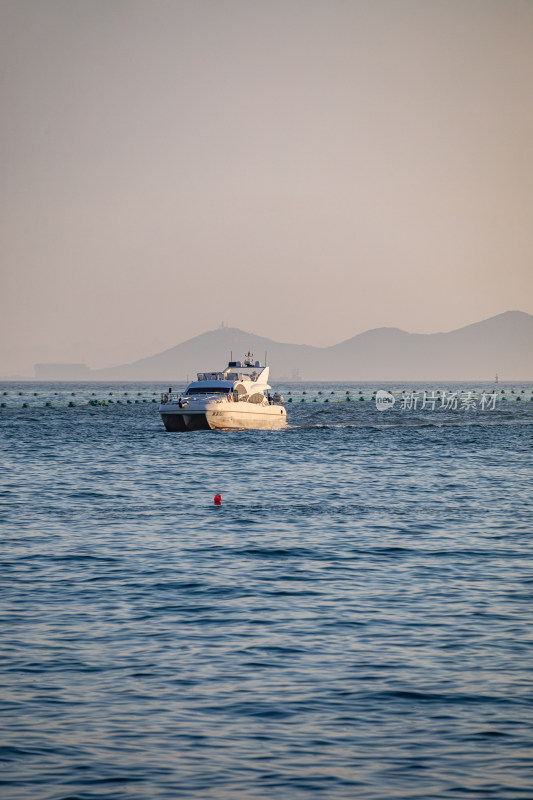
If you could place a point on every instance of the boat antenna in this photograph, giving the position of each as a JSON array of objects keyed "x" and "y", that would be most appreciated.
[
  {"x": 265, "y": 358},
  {"x": 231, "y": 355}
]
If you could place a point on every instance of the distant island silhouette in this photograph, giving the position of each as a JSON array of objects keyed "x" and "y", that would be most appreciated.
[{"x": 502, "y": 344}]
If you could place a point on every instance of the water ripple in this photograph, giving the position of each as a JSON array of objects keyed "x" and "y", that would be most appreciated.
[{"x": 353, "y": 621}]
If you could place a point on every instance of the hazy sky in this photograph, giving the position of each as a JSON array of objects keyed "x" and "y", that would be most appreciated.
[{"x": 303, "y": 169}]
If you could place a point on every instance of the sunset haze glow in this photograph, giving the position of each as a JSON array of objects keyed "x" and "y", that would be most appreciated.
[{"x": 302, "y": 170}]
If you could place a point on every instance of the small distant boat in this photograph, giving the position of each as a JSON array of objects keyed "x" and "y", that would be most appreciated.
[{"x": 238, "y": 397}]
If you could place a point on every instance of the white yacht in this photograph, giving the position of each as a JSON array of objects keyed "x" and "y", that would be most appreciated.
[{"x": 238, "y": 397}]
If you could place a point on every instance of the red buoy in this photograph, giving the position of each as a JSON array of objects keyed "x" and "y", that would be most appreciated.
[{"x": 218, "y": 500}]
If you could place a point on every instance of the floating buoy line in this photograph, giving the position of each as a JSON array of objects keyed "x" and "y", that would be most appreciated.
[{"x": 57, "y": 400}]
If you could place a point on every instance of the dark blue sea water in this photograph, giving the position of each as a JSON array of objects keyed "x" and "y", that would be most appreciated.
[{"x": 353, "y": 622}]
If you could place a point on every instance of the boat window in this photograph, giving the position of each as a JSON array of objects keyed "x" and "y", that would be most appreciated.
[{"x": 210, "y": 376}]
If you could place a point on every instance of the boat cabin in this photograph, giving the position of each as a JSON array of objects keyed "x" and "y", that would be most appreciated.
[{"x": 246, "y": 370}]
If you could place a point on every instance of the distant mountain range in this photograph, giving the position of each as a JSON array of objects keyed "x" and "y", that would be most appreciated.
[{"x": 501, "y": 344}]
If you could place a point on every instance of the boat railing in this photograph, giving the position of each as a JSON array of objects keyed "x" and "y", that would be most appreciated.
[
  {"x": 170, "y": 397},
  {"x": 176, "y": 397},
  {"x": 203, "y": 396}
]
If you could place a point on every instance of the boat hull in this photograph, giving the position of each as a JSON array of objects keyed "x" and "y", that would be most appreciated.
[
  {"x": 180, "y": 423},
  {"x": 229, "y": 418}
]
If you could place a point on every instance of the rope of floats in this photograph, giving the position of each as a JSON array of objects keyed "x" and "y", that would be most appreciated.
[{"x": 303, "y": 396}]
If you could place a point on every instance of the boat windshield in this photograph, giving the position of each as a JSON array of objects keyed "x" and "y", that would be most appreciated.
[{"x": 208, "y": 390}]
